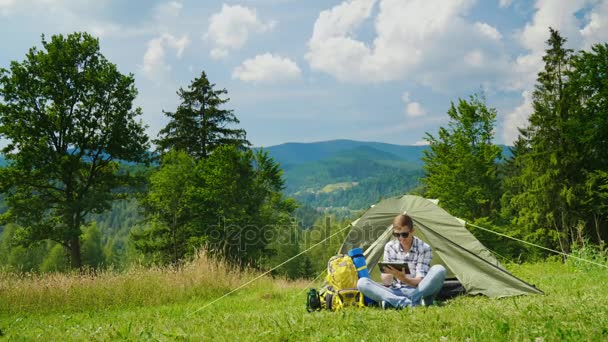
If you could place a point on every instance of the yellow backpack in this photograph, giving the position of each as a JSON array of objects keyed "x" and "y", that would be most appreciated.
[{"x": 341, "y": 290}]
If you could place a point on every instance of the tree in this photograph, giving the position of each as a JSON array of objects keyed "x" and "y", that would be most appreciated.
[
  {"x": 240, "y": 201},
  {"x": 55, "y": 261},
  {"x": 169, "y": 210},
  {"x": 286, "y": 245},
  {"x": 68, "y": 116},
  {"x": 589, "y": 130},
  {"x": 229, "y": 202},
  {"x": 461, "y": 162},
  {"x": 92, "y": 251},
  {"x": 199, "y": 125},
  {"x": 549, "y": 167}
]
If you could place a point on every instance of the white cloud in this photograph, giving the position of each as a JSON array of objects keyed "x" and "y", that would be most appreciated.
[
  {"x": 412, "y": 108},
  {"x": 560, "y": 15},
  {"x": 267, "y": 68},
  {"x": 218, "y": 53},
  {"x": 423, "y": 40},
  {"x": 557, "y": 14},
  {"x": 167, "y": 16},
  {"x": 596, "y": 30},
  {"x": 154, "y": 65},
  {"x": 421, "y": 143},
  {"x": 6, "y": 6},
  {"x": 170, "y": 9},
  {"x": 505, "y": 3},
  {"x": 475, "y": 58},
  {"x": 230, "y": 28},
  {"x": 518, "y": 118},
  {"x": 488, "y": 31}
]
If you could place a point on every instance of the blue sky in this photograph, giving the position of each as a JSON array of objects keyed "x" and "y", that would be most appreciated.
[{"x": 303, "y": 71}]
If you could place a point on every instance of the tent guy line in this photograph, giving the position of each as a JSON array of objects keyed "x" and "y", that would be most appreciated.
[
  {"x": 272, "y": 269},
  {"x": 538, "y": 246}
]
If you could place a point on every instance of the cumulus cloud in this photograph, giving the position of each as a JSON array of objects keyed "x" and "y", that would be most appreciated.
[
  {"x": 488, "y": 31},
  {"x": 596, "y": 30},
  {"x": 267, "y": 68},
  {"x": 560, "y": 15},
  {"x": 412, "y": 108},
  {"x": 428, "y": 41},
  {"x": 230, "y": 29},
  {"x": 154, "y": 65},
  {"x": 517, "y": 118}
]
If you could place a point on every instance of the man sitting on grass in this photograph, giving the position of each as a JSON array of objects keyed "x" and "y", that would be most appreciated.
[{"x": 401, "y": 289}]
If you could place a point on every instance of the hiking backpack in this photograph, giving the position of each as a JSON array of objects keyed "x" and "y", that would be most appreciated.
[{"x": 341, "y": 290}]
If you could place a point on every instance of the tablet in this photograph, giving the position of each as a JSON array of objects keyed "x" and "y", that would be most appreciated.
[{"x": 395, "y": 264}]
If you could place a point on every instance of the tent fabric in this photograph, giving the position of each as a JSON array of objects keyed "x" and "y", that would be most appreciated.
[{"x": 454, "y": 247}]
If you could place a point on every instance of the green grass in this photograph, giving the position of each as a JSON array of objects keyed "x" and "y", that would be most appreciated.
[{"x": 173, "y": 308}]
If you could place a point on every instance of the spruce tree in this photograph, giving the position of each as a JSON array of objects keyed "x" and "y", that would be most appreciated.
[
  {"x": 548, "y": 169},
  {"x": 199, "y": 125}
]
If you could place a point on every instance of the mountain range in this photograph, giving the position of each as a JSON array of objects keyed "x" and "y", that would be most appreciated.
[{"x": 347, "y": 173}]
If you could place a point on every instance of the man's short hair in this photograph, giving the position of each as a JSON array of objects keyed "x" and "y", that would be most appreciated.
[{"x": 403, "y": 220}]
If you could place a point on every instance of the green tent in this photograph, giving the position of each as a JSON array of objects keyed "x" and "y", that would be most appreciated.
[{"x": 454, "y": 247}]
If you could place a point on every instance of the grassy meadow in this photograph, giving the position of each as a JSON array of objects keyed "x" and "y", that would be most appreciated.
[{"x": 166, "y": 305}]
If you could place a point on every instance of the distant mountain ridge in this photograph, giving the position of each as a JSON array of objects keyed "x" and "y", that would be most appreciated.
[
  {"x": 300, "y": 153},
  {"x": 316, "y": 173},
  {"x": 347, "y": 173}
]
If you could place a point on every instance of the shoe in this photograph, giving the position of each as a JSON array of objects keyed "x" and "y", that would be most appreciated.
[{"x": 385, "y": 305}]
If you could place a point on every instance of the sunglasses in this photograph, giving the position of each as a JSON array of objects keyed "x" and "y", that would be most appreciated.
[{"x": 403, "y": 235}]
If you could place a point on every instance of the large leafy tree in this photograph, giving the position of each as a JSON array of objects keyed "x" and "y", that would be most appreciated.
[
  {"x": 240, "y": 203},
  {"x": 229, "y": 202},
  {"x": 461, "y": 162},
  {"x": 200, "y": 124},
  {"x": 67, "y": 114}
]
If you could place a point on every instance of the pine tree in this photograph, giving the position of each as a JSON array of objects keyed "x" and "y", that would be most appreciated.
[
  {"x": 548, "y": 169},
  {"x": 200, "y": 125}
]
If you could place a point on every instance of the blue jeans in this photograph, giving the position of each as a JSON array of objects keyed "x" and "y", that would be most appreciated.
[{"x": 400, "y": 297}]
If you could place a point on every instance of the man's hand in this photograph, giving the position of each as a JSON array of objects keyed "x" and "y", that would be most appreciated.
[{"x": 400, "y": 275}]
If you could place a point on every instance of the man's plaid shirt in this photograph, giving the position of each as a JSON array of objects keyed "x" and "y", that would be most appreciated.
[{"x": 418, "y": 258}]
